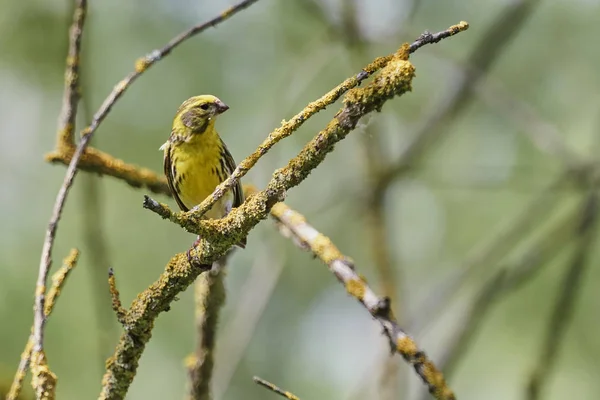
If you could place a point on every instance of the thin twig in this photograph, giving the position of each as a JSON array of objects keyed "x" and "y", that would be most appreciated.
[
  {"x": 210, "y": 298},
  {"x": 565, "y": 303},
  {"x": 379, "y": 307},
  {"x": 288, "y": 127},
  {"x": 58, "y": 281},
  {"x": 117, "y": 306},
  {"x": 275, "y": 389},
  {"x": 65, "y": 128}
]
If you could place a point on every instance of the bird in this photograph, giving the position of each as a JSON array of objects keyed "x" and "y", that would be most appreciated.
[{"x": 196, "y": 160}]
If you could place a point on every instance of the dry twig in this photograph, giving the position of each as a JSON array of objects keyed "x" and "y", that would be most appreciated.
[
  {"x": 117, "y": 306},
  {"x": 275, "y": 389},
  {"x": 379, "y": 307},
  {"x": 58, "y": 282},
  {"x": 210, "y": 298}
]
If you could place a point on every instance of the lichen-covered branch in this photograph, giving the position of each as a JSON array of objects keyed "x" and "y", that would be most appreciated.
[
  {"x": 71, "y": 91},
  {"x": 288, "y": 127},
  {"x": 217, "y": 236},
  {"x": 138, "y": 322},
  {"x": 44, "y": 380},
  {"x": 562, "y": 312},
  {"x": 94, "y": 160},
  {"x": 356, "y": 286},
  {"x": 58, "y": 282},
  {"x": 210, "y": 298},
  {"x": 115, "y": 297},
  {"x": 273, "y": 388}
]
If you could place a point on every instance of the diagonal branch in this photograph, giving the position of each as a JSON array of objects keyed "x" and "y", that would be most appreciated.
[
  {"x": 58, "y": 282},
  {"x": 273, "y": 388},
  {"x": 210, "y": 298},
  {"x": 218, "y": 235},
  {"x": 288, "y": 127},
  {"x": 356, "y": 286},
  {"x": 65, "y": 129}
]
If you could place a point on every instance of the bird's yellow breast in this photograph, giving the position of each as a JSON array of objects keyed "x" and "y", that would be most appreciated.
[{"x": 198, "y": 170}]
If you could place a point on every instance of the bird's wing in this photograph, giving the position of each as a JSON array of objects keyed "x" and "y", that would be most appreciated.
[
  {"x": 238, "y": 193},
  {"x": 171, "y": 173}
]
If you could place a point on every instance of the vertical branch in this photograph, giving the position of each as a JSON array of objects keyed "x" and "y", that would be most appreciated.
[
  {"x": 565, "y": 303},
  {"x": 44, "y": 381},
  {"x": 210, "y": 298},
  {"x": 58, "y": 282}
]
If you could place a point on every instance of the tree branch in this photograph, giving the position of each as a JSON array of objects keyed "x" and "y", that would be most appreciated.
[
  {"x": 210, "y": 298},
  {"x": 44, "y": 380},
  {"x": 217, "y": 236},
  {"x": 58, "y": 282},
  {"x": 275, "y": 389},
  {"x": 379, "y": 307},
  {"x": 117, "y": 306},
  {"x": 288, "y": 127}
]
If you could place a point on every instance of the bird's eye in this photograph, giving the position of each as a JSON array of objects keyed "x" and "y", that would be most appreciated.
[{"x": 204, "y": 106}]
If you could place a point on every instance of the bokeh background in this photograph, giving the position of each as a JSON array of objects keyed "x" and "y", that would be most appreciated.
[{"x": 444, "y": 218}]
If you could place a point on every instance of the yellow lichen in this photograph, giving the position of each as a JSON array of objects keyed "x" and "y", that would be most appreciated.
[
  {"x": 356, "y": 288},
  {"x": 225, "y": 14},
  {"x": 141, "y": 64},
  {"x": 406, "y": 346},
  {"x": 43, "y": 380}
]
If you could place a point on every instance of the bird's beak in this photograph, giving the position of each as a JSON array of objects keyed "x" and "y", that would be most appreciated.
[{"x": 221, "y": 107}]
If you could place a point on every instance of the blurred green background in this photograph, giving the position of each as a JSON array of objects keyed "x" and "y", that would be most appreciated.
[{"x": 287, "y": 319}]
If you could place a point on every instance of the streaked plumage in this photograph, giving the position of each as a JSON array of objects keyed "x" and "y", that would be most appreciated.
[{"x": 196, "y": 160}]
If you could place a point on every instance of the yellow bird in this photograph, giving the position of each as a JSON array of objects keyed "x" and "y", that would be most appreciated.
[{"x": 196, "y": 160}]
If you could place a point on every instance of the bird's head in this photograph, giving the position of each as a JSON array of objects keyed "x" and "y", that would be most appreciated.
[{"x": 196, "y": 113}]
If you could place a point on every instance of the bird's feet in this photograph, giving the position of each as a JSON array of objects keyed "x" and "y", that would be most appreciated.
[{"x": 193, "y": 260}]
